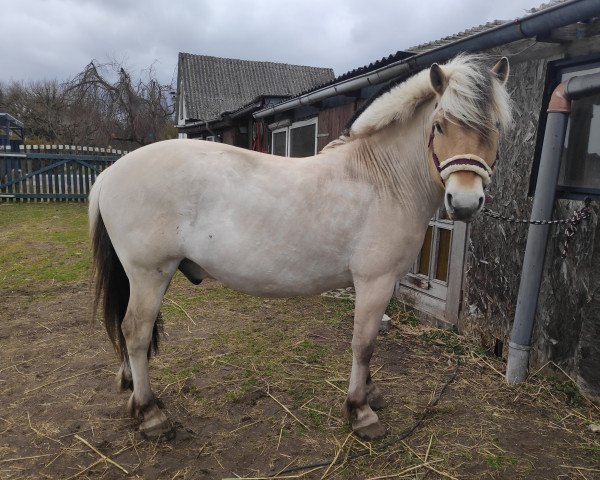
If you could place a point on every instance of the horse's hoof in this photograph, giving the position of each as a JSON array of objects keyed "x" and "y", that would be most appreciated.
[
  {"x": 371, "y": 432},
  {"x": 157, "y": 431}
]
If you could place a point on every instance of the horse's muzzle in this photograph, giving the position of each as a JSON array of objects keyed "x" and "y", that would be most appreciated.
[{"x": 463, "y": 206}]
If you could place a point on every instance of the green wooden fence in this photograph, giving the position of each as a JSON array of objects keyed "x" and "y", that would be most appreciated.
[{"x": 52, "y": 172}]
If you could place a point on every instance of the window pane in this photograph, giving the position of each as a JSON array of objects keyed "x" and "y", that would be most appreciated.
[
  {"x": 580, "y": 166},
  {"x": 279, "y": 139},
  {"x": 426, "y": 253},
  {"x": 302, "y": 141},
  {"x": 443, "y": 254}
]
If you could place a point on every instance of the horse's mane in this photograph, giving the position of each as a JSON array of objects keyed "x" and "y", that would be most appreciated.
[{"x": 473, "y": 97}]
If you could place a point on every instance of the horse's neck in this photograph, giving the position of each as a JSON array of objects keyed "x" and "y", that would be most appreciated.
[{"x": 395, "y": 162}]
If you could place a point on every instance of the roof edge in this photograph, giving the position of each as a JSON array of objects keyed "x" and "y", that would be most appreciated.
[{"x": 524, "y": 27}]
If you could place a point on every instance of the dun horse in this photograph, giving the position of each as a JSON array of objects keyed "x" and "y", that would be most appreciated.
[{"x": 355, "y": 214}]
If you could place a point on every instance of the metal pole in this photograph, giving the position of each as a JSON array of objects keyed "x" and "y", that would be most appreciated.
[{"x": 537, "y": 239}]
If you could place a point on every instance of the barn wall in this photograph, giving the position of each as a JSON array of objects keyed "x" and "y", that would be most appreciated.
[
  {"x": 332, "y": 123},
  {"x": 228, "y": 136},
  {"x": 567, "y": 328}
]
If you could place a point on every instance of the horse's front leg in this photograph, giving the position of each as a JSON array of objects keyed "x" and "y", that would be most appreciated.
[{"x": 372, "y": 298}]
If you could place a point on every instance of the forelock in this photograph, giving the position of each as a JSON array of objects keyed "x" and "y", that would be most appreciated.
[{"x": 474, "y": 96}]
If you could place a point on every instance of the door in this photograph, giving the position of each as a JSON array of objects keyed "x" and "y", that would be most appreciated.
[{"x": 434, "y": 283}]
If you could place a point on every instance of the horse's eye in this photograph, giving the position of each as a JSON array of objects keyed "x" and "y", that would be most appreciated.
[{"x": 438, "y": 127}]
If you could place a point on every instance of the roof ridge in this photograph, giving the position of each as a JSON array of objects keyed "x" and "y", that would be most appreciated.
[{"x": 241, "y": 60}]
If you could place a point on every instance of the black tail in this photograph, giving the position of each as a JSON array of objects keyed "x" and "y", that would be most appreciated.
[{"x": 112, "y": 290}]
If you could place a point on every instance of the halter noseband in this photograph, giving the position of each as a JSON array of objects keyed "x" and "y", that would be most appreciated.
[{"x": 465, "y": 162}]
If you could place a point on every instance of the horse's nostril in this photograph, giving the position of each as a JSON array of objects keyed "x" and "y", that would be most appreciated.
[
  {"x": 481, "y": 200},
  {"x": 449, "y": 199}
]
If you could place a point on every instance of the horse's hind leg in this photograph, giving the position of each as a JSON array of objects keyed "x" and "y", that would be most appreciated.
[
  {"x": 147, "y": 287},
  {"x": 371, "y": 300}
]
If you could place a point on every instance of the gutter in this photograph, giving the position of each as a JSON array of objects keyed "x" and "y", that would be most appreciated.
[
  {"x": 559, "y": 109},
  {"x": 525, "y": 27}
]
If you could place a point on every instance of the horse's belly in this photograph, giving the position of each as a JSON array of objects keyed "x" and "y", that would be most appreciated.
[
  {"x": 273, "y": 271},
  {"x": 278, "y": 286}
]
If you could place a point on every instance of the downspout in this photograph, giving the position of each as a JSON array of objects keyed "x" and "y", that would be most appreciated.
[{"x": 559, "y": 109}]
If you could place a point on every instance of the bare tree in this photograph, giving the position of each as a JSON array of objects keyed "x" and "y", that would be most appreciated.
[
  {"x": 92, "y": 109},
  {"x": 135, "y": 112}
]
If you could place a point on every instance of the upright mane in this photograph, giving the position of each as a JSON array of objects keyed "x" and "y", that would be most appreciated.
[{"x": 473, "y": 96}]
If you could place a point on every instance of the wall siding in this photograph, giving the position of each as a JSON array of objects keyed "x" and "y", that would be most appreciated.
[
  {"x": 567, "y": 324},
  {"x": 332, "y": 123}
]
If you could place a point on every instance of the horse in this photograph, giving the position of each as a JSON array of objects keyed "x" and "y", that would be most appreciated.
[{"x": 354, "y": 214}]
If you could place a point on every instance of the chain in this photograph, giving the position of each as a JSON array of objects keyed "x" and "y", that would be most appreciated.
[{"x": 571, "y": 223}]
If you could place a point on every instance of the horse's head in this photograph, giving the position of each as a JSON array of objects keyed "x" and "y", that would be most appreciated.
[{"x": 472, "y": 107}]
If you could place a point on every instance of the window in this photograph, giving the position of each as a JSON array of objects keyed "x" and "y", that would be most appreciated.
[
  {"x": 280, "y": 143},
  {"x": 430, "y": 270},
  {"x": 434, "y": 283},
  {"x": 297, "y": 140},
  {"x": 580, "y": 163},
  {"x": 303, "y": 140}
]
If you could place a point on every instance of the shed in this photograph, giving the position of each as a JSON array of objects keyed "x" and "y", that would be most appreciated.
[
  {"x": 216, "y": 96},
  {"x": 467, "y": 276}
]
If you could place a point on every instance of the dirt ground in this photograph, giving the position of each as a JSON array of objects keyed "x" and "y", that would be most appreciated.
[
  {"x": 213, "y": 375},
  {"x": 255, "y": 387}
]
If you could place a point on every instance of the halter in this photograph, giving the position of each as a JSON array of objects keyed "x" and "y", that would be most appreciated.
[{"x": 458, "y": 163}]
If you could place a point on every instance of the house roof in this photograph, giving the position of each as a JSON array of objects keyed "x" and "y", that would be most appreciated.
[{"x": 213, "y": 85}]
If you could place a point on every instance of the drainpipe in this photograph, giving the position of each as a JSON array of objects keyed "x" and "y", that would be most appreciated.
[{"x": 559, "y": 109}]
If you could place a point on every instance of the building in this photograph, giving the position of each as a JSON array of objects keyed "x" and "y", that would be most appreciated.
[
  {"x": 468, "y": 276},
  {"x": 217, "y": 96}
]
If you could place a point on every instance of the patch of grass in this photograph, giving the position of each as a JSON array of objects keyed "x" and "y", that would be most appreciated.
[
  {"x": 409, "y": 319},
  {"x": 571, "y": 393},
  {"x": 235, "y": 395},
  {"x": 310, "y": 351},
  {"x": 500, "y": 462},
  {"x": 394, "y": 307},
  {"x": 450, "y": 340},
  {"x": 43, "y": 242}
]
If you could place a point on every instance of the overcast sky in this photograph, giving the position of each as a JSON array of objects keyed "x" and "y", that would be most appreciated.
[{"x": 47, "y": 39}]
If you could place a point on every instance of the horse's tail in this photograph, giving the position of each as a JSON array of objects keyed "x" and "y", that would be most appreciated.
[{"x": 111, "y": 281}]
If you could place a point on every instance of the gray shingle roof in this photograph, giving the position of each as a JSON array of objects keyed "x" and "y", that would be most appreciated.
[
  {"x": 213, "y": 85},
  {"x": 475, "y": 30}
]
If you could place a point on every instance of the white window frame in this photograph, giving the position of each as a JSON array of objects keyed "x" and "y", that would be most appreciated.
[{"x": 288, "y": 130}]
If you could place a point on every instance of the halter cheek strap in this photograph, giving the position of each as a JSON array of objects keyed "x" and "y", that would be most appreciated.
[{"x": 460, "y": 163}]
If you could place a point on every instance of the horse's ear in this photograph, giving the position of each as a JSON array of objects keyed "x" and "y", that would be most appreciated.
[
  {"x": 501, "y": 70},
  {"x": 438, "y": 79}
]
